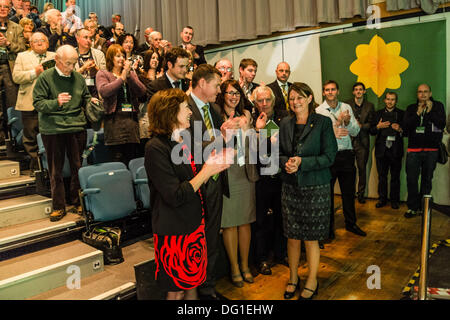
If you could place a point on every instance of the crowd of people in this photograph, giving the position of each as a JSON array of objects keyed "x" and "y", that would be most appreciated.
[{"x": 54, "y": 66}]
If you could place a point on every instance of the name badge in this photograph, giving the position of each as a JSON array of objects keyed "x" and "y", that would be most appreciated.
[
  {"x": 391, "y": 138},
  {"x": 420, "y": 130},
  {"x": 90, "y": 82},
  {"x": 127, "y": 107}
]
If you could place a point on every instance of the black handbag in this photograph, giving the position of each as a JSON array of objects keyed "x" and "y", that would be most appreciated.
[
  {"x": 94, "y": 113},
  {"x": 107, "y": 240},
  {"x": 442, "y": 154}
]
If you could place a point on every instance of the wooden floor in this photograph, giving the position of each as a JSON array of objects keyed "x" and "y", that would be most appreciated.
[{"x": 392, "y": 243}]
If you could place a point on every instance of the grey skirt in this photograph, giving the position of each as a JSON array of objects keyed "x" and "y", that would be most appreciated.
[{"x": 306, "y": 212}]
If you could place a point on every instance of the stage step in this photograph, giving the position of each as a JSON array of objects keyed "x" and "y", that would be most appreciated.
[
  {"x": 16, "y": 182},
  {"x": 24, "y": 209},
  {"x": 115, "y": 282},
  {"x": 9, "y": 169},
  {"x": 41, "y": 271},
  {"x": 16, "y": 236}
]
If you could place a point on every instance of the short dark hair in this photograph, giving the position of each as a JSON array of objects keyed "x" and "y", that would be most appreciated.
[
  {"x": 305, "y": 91},
  {"x": 247, "y": 62},
  {"x": 123, "y": 37},
  {"x": 330, "y": 82},
  {"x": 111, "y": 53},
  {"x": 357, "y": 84},
  {"x": 221, "y": 96},
  {"x": 204, "y": 71},
  {"x": 173, "y": 54},
  {"x": 162, "y": 111},
  {"x": 188, "y": 27},
  {"x": 392, "y": 93}
]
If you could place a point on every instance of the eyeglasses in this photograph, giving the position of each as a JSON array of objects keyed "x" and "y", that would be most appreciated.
[
  {"x": 225, "y": 69},
  {"x": 4, "y": 7},
  {"x": 234, "y": 93},
  {"x": 39, "y": 41}
]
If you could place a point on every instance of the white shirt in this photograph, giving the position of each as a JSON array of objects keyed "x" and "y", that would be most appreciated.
[
  {"x": 68, "y": 20},
  {"x": 62, "y": 74}
]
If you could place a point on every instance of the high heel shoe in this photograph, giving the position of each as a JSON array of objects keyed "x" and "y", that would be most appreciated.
[
  {"x": 247, "y": 276},
  {"x": 290, "y": 294},
  {"x": 315, "y": 292},
  {"x": 237, "y": 280}
]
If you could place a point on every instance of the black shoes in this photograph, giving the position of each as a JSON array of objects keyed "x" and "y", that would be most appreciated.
[
  {"x": 314, "y": 293},
  {"x": 381, "y": 204},
  {"x": 356, "y": 230},
  {"x": 247, "y": 276},
  {"x": 237, "y": 281},
  {"x": 264, "y": 268},
  {"x": 290, "y": 294},
  {"x": 412, "y": 213},
  {"x": 395, "y": 205},
  {"x": 361, "y": 199}
]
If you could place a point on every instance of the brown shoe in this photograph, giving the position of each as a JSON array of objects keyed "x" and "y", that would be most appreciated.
[
  {"x": 57, "y": 215},
  {"x": 76, "y": 210}
]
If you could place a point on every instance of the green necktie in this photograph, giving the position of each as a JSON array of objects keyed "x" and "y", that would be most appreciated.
[{"x": 208, "y": 124}]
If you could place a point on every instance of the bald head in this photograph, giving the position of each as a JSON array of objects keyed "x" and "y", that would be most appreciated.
[
  {"x": 66, "y": 58},
  {"x": 226, "y": 69},
  {"x": 155, "y": 39},
  {"x": 39, "y": 43},
  {"x": 283, "y": 72},
  {"x": 424, "y": 93}
]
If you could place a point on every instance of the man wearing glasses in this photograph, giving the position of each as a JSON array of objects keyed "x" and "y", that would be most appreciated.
[
  {"x": 28, "y": 67},
  {"x": 226, "y": 69}
]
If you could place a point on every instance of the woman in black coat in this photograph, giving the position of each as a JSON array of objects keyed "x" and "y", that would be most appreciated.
[{"x": 177, "y": 196}]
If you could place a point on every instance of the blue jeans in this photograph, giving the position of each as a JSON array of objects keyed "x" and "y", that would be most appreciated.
[{"x": 419, "y": 164}]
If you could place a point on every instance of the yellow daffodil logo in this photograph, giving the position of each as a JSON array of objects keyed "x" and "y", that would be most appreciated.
[{"x": 379, "y": 65}]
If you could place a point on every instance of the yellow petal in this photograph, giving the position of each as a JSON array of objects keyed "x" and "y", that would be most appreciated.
[
  {"x": 362, "y": 50},
  {"x": 394, "y": 48},
  {"x": 394, "y": 82}
]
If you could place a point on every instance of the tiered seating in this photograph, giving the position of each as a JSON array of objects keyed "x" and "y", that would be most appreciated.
[
  {"x": 15, "y": 128},
  {"x": 141, "y": 182}
]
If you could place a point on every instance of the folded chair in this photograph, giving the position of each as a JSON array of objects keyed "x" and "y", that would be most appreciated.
[
  {"x": 140, "y": 183},
  {"x": 15, "y": 128}
]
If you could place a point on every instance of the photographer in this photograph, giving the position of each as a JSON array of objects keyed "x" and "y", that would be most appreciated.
[
  {"x": 11, "y": 43},
  {"x": 90, "y": 60},
  {"x": 129, "y": 44}
]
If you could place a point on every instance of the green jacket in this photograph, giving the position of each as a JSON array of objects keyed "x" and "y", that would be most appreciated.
[
  {"x": 317, "y": 148},
  {"x": 54, "y": 119}
]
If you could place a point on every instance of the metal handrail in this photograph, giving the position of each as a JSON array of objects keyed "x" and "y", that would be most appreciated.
[{"x": 426, "y": 228}]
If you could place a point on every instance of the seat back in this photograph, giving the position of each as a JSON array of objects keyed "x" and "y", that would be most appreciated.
[
  {"x": 101, "y": 153},
  {"x": 115, "y": 199},
  {"x": 16, "y": 125},
  {"x": 142, "y": 190}
]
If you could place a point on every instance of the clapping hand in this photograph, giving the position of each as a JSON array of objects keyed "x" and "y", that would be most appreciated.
[
  {"x": 340, "y": 132},
  {"x": 230, "y": 126},
  {"x": 344, "y": 118},
  {"x": 293, "y": 164},
  {"x": 383, "y": 125},
  {"x": 219, "y": 161},
  {"x": 261, "y": 121}
]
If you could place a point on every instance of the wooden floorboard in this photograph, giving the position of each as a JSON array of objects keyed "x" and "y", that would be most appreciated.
[{"x": 393, "y": 244}]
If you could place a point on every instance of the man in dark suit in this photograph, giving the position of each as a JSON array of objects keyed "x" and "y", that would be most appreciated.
[
  {"x": 247, "y": 73},
  {"x": 268, "y": 229},
  {"x": 148, "y": 41},
  {"x": 197, "y": 51},
  {"x": 280, "y": 87},
  {"x": 387, "y": 126},
  {"x": 205, "y": 88},
  {"x": 363, "y": 111},
  {"x": 177, "y": 60}
]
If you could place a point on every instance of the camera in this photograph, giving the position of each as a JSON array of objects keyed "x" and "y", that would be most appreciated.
[{"x": 133, "y": 60}]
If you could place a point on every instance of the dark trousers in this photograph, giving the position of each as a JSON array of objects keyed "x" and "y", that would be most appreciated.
[
  {"x": 214, "y": 202},
  {"x": 362, "y": 156},
  {"x": 419, "y": 164},
  {"x": 344, "y": 171},
  {"x": 9, "y": 91},
  {"x": 124, "y": 152},
  {"x": 30, "y": 123},
  {"x": 385, "y": 164},
  {"x": 56, "y": 147},
  {"x": 268, "y": 233}
]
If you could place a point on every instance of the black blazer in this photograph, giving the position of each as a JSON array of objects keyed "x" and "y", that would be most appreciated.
[
  {"x": 217, "y": 122},
  {"x": 53, "y": 39},
  {"x": 176, "y": 208},
  {"x": 317, "y": 148},
  {"x": 280, "y": 104},
  {"x": 396, "y": 116},
  {"x": 201, "y": 52},
  {"x": 367, "y": 114},
  {"x": 164, "y": 83}
]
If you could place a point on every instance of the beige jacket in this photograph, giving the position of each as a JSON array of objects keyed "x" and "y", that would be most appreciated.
[
  {"x": 25, "y": 76},
  {"x": 14, "y": 34},
  {"x": 99, "y": 59}
]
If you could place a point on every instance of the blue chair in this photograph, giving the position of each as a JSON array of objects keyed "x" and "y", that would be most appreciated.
[
  {"x": 15, "y": 126},
  {"x": 106, "y": 192},
  {"x": 140, "y": 182},
  {"x": 99, "y": 152}
]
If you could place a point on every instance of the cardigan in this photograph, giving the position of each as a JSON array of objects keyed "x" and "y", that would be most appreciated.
[
  {"x": 108, "y": 86},
  {"x": 317, "y": 148}
]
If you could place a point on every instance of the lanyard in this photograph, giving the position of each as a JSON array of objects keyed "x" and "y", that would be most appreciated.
[{"x": 125, "y": 92}]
